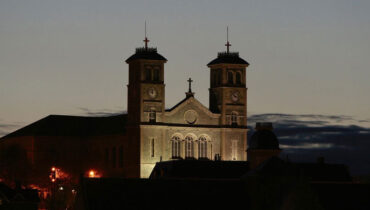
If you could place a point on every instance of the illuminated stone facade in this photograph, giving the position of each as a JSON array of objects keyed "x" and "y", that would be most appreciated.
[
  {"x": 189, "y": 129},
  {"x": 129, "y": 145}
]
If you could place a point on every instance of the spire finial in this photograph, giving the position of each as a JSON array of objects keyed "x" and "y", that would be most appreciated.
[
  {"x": 146, "y": 40},
  {"x": 189, "y": 93},
  {"x": 227, "y": 40}
]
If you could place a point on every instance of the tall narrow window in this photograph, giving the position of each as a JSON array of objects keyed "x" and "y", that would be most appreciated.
[
  {"x": 219, "y": 80},
  {"x": 202, "y": 147},
  {"x": 152, "y": 115},
  {"x": 214, "y": 78},
  {"x": 176, "y": 146},
  {"x": 114, "y": 158},
  {"x": 148, "y": 74},
  {"x": 120, "y": 156},
  {"x": 156, "y": 75},
  {"x": 238, "y": 78},
  {"x": 152, "y": 147},
  {"x": 234, "y": 118},
  {"x": 234, "y": 149},
  {"x": 230, "y": 79},
  {"x": 189, "y": 147}
]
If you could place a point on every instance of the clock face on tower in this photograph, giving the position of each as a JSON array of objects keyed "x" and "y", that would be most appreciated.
[
  {"x": 152, "y": 92},
  {"x": 235, "y": 96}
]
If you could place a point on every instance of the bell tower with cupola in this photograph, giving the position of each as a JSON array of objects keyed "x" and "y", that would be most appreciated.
[
  {"x": 228, "y": 91},
  {"x": 146, "y": 88},
  {"x": 145, "y": 110},
  {"x": 228, "y": 97}
]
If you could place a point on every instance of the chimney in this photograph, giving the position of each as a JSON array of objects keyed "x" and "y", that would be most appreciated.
[
  {"x": 321, "y": 160},
  {"x": 264, "y": 126}
]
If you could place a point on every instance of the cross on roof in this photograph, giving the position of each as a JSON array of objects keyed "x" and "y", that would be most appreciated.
[
  {"x": 146, "y": 40},
  {"x": 227, "y": 38},
  {"x": 190, "y": 81}
]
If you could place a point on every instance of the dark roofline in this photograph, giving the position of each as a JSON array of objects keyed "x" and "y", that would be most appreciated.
[
  {"x": 146, "y": 54},
  {"x": 192, "y": 125},
  {"x": 228, "y": 58},
  {"x": 78, "y": 126},
  {"x": 178, "y": 104},
  {"x": 182, "y": 101}
]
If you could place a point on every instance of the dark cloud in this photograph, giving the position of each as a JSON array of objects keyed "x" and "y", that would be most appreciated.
[
  {"x": 306, "y": 137},
  {"x": 100, "y": 113},
  {"x": 6, "y": 128}
]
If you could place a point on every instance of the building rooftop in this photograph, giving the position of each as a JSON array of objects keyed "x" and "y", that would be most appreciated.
[
  {"x": 118, "y": 193},
  {"x": 200, "y": 169},
  {"x": 228, "y": 58},
  {"x": 263, "y": 139},
  {"x": 64, "y": 125},
  {"x": 315, "y": 172},
  {"x": 146, "y": 54}
]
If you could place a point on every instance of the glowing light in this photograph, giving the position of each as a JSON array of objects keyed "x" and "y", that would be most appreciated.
[
  {"x": 61, "y": 188},
  {"x": 92, "y": 173},
  {"x": 52, "y": 180},
  {"x": 53, "y": 168}
]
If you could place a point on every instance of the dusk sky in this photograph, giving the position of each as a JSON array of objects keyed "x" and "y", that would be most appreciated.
[{"x": 67, "y": 57}]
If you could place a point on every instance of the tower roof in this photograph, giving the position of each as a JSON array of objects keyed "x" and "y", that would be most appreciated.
[
  {"x": 228, "y": 58},
  {"x": 264, "y": 137},
  {"x": 146, "y": 54}
]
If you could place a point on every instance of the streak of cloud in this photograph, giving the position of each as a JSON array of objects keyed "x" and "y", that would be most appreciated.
[
  {"x": 340, "y": 139},
  {"x": 101, "y": 112}
]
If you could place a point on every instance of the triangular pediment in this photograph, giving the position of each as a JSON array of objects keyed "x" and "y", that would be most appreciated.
[{"x": 190, "y": 108}]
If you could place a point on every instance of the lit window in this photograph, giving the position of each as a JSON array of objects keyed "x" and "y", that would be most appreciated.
[
  {"x": 152, "y": 115},
  {"x": 189, "y": 147},
  {"x": 176, "y": 146},
  {"x": 152, "y": 147},
  {"x": 234, "y": 149},
  {"x": 234, "y": 118},
  {"x": 202, "y": 147}
]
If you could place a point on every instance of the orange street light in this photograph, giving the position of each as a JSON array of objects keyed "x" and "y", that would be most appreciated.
[{"x": 92, "y": 173}]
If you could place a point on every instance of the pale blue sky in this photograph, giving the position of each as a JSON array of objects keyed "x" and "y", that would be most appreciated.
[{"x": 66, "y": 57}]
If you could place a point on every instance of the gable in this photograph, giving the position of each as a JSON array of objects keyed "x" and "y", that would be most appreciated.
[{"x": 191, "y": 111}]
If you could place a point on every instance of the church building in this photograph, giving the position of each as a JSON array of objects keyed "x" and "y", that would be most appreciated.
[
  {"x": 129, "y": 145},
  {"x": 189, "y": 130}
]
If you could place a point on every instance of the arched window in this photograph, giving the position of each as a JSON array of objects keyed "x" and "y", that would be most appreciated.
[
  {"x": 176, "y": 140},
  {"x": 152, "y": 115},
  {"x": 189, "y": 147},
  {"x": 234, "y": 118},
  {"x": 214, "y": 78},
  {"x": 238, "y": 78},
  {"x": 202, "y": 147},
  {"x": 234, "y": 149},
  {"x": 219, "y": 80},
  {"x": 148, "y": 74},
  {"x": 230, "y": 78},
  {"x": 156, "y": 75}
]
